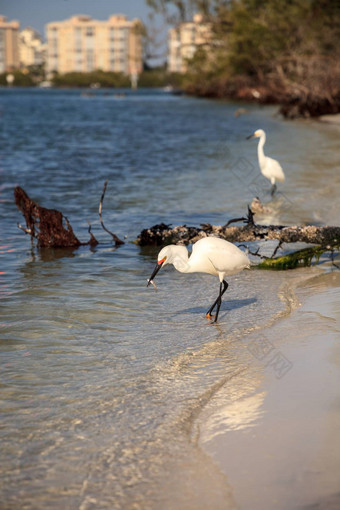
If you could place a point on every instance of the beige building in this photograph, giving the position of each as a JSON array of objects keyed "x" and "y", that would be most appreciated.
[
  {"x": 9, "y": 45},
  {"x": 184, "y": 40},
  {"x": 83, "y": 44},
  {"x": 32, "y": 50}
]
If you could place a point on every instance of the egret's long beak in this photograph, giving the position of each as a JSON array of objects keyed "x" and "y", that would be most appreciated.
[
  {"x": 155, "y": 271},
  {"x": 250, "y": 136}
]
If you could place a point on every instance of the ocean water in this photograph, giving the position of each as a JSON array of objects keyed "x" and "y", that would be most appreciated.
[{"x": 101, "y": 377}]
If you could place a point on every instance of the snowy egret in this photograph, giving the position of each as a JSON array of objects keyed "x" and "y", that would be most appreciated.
[
  {"x": 210, "y": 255},
  {"x": 269, "y": 167}
]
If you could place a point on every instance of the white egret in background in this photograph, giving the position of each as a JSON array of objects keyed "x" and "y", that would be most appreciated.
[
  {"x": 269, "y": 167},
  {"x": 210, "y": 255}
]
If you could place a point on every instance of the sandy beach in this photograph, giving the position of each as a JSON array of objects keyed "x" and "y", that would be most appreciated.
[{"x": 278, "y": 442}]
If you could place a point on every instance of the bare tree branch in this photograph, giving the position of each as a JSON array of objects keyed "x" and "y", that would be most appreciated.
[{"x": 116, "y": 239}]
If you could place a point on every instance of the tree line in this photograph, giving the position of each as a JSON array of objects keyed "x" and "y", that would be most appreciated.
[{"x": 283, "y": 51}]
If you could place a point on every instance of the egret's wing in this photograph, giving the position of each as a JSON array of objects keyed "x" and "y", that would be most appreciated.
[
  {"x": 274, "y": 169},
  {"x": 228, "y": 259}
]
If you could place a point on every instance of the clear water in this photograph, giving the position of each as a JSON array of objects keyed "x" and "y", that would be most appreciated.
[{"x": 101, "y": 378}]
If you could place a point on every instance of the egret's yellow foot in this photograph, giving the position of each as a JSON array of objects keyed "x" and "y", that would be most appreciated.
[{"x": 209, "y": 316}]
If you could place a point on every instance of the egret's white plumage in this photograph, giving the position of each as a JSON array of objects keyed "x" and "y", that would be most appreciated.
[
  {"x": 210, "y": 255},
  {"x": 269, "y": 167}
]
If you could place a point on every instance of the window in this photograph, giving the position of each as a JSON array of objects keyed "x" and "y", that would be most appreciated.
[
  {"x": 79, "y": 64},
  {"x": 2, "y": 38},
  {"x": 77, "y": 37},
  {"x": 122, "y": 34},
  {"x": 2, "y": 51},
  {"x": 89, "y": 60}
]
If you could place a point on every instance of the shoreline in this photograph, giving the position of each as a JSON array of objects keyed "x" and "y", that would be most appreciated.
[{"x": 275, "y": 440}]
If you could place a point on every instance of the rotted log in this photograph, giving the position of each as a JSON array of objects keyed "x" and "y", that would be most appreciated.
[{"x": 160, "y": 235}]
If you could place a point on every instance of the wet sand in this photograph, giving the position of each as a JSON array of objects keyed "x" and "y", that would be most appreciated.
[
  {"x": 278, "y": 441},
  {"x": 331, "y": 119}
]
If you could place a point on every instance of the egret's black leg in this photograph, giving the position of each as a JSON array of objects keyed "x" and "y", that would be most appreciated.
[
  {"x": 274, "y": 188},
  {"x": 219, "y": 299},
  {"x": 223, "y": 288}
]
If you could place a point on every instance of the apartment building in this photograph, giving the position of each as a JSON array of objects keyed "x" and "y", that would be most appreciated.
[
  {"x": 184, "y": 40},
  {"x": 32, "y": 50},
  {"x": 83, "y": 44},
  {"x": 9, "y": 44}
]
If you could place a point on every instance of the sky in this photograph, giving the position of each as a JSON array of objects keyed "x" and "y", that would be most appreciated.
[{"x": 36, "y": 13}]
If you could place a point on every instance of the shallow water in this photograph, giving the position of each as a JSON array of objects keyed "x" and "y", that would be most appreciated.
[{"x": 102, "y": 378}]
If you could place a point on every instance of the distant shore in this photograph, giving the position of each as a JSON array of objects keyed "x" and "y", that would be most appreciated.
[{"x": 291, "y": 104}]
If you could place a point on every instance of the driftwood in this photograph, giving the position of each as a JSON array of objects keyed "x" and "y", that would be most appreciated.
[
  {"x": 45, "y": 225},
  {"x": 162, "y": 234},
  {"x": 116, "y": 239},
  {"x": 50, "y": 227}
]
